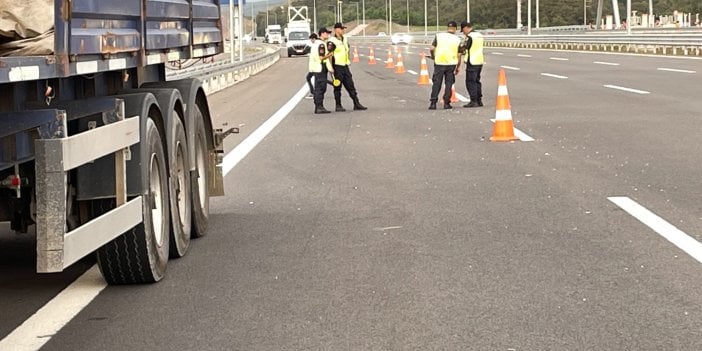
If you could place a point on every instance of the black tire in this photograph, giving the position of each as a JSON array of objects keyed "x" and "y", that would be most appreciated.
[
  {"x": 200, "y": 177},
  {"x": 141, "y": 254},
  {"x": 180, "y": 192}
]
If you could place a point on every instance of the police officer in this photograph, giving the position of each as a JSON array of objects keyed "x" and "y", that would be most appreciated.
[
  {"x": 473, "y": 56},
  {"x": 320, "y": 64},
  {"x": 339, "y": 45},
  {"x": 445, "y": 51},
  {"x": 310, "y": 74}
]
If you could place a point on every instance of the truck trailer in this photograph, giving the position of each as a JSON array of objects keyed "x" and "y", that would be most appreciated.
[{"x": 99, "y": 153}]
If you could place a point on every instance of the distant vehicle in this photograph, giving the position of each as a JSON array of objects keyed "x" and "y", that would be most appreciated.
[
  {"x": 247, "y": 38},
  {"x": 297, "y": 33},
  {"x": 401, "y": 38},
  {"x": 274, "y": 34},
  {"x": 382, "y": 34}
]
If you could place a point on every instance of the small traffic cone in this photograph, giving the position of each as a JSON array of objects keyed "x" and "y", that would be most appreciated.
[
  {"x": 371, "y": 57},
  {"x": 504, "y": 127},
  {"x": 454, "y": 98},
  {"x": 355, "y": 55},
  {"x": 390, "y": 63},
  {"x": 424, "y": 72},
  {"x": 400, "y": 67}
]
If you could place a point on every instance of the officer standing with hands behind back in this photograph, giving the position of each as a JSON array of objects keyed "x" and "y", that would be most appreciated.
[
  {"x": 445, "y": 51},
  {"x": 339, "y": 46}
]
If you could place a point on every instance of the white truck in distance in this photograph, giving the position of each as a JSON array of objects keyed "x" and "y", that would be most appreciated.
[
  {"x": 297, "y": 34},
  {"x": 273, "y": 34}
]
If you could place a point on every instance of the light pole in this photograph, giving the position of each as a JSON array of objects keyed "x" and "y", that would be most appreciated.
[
  {"x": 628, "y": 17},
  {"x": 267, "y": 22},
  {"x": 537, "y": 14},
  {"x": 651, "y": 17},
  {"x": 314, "y": 14},
  {"x": 408, "y": 16},
  {"x": 529, "y": 17},
  {"x": 364, "y": 17},
  {"x": 437, "y": 15},
  {"x": 390, "y": 14},
  {"x": 426, "y": 28},
  {"x": 468, "y": 10}
]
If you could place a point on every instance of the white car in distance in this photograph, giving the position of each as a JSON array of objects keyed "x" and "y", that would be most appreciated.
[{"x": 400, "y": 38}]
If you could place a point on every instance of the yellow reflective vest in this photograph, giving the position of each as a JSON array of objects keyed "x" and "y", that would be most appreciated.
[
  {"x": 446, "y": 51},
  {"x": 316, "y": 62},
  {"x": 341, "y": 53},
  {"x": 475, "y": 53}
]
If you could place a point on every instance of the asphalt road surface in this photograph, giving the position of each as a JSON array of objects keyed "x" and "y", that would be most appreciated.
[{"x": 400, "y": 228}]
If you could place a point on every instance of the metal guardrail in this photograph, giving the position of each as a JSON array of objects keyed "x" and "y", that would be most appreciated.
[
  {"x": 687, "y": 42},
  {"x": 218, "y": 75}
]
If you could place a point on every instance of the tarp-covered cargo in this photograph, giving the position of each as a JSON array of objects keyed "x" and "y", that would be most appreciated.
[{"x": 26, "y": 27}]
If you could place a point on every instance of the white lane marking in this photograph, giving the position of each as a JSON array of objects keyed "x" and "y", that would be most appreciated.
[
  {"x": 243, "y": 149},
  {"x": 412, "y": 72},
  {"x": 558, "y": 59},
  {"x": 523, "y": 55},
  {"x": 497, "y": 53},
  {"x": 676, "y": 236},
  {"x": 642, "y": 92},
  {"x": 48, "y": 320},
  {"x": 676, "y": 70},
  {"x": 462, "y": 98},
  {"x": 553, "y": 76},
  {"x": 519, "y": 134},
  {"x": 606, "y": 63},
  {"x": 511, "y": 68}
]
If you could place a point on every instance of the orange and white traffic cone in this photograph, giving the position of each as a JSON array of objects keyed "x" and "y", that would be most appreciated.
[
  {"x": 355, "y": 55},
  {"x": 454, "y": 98},
  {"x": 400, "y": 67},
  {"x": 371, "y": 57},
  {"x": 390, "y": 63},
  {"x": 504, "y": 127},
  {"x": 424, "y": 72}
]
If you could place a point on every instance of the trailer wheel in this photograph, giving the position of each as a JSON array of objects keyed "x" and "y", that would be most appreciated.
[
  {"x": 199, "y": 178},
  {"x": 180, "y": 198},
  {"x": 141, "y": 254}
]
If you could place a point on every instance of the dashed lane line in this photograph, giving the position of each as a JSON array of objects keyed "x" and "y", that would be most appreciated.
[
  {"x": 497, "y": 53},
  {"x": 523, "y": 55},
  {"x": 676, "y": 236},
  {"x": 676, "y": 70},
  {"x": 606, "y": 63},
  {"x": 511, "y": 68},
  {"x": 462, "y": 98},
  {"x": 412, "y": 72},
  {"x": 636, "y": 91},
  {"x": 559, "y": 59},
  {"x": 553, "y": 76}
]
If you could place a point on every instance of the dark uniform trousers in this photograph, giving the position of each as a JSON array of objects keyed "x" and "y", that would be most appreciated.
[
  {"x": 320, "y": 85},
  {"x": 343, "y": 73},
  {"x": 443, "y": 73},
  {"x": 473, "y": 84}
]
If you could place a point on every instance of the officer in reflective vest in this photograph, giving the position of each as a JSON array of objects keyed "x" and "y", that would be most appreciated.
[
  {"x": 445, "y": 52},
  {"x": 339, "y": 45},
  {"x": 320, "y": 65},
  {"x": 473, "y": 56}
]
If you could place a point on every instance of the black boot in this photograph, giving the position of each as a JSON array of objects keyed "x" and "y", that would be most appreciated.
[
  {"x": 432, "y": 105},
  {"x": 320, "y": 109},
  {"x": 340, "y": 108},
  {"x": 472, "y": 103},
  {"x": 447, "y": 106},
  {"x": 480, "y": 102},
  {"x": 357, "y": 105}
]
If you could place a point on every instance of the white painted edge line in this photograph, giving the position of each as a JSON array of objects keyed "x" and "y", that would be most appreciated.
[
  {"x": 38, "y": 329},
  {"x": 606, "y": 63},
  {"x": 523, "y": 55},
  {"x": 412, "y": 72},
  {"x": 553, "y": 76},
  {"x": 675, "y": 70},
  {"x": 667, "y": 57},
  {"x": 642, "y": 92},
  {"x": 519, "y": 134},
  {"x": 558, "y": 59},
  {"x": 677, "y": 237},
  {"x": 237, "y": 154},
  {"x": 462, "y": 98},
  {"x": 511, "y": 68}
]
